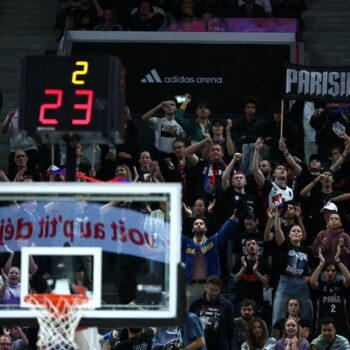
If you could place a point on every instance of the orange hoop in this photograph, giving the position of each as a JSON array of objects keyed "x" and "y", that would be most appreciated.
[
  {"x": 58, "y": 316},
  {"x": 57, "y": 304}
]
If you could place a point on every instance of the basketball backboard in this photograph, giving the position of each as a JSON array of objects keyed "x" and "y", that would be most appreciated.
[{"x": 119, "y": 243}]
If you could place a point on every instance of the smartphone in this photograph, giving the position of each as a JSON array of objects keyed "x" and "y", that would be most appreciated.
[{"x": 180, "y": 98}]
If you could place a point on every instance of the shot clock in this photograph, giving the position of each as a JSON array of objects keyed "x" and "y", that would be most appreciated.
[{"x": 79, "y": 96}]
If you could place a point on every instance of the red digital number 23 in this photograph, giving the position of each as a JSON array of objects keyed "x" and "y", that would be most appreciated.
[{"x": 59, "y": 93}]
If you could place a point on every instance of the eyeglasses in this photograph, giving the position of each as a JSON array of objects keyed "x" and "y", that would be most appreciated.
[
  {"x": 330, "y": 270},
  {"x": 20, "y": 156}
]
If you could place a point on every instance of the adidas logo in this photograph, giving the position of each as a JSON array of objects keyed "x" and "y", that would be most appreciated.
[{"x": 152, "y": 77}]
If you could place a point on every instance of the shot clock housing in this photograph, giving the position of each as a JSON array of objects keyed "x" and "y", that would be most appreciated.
[{"x": 74, "y": 96}]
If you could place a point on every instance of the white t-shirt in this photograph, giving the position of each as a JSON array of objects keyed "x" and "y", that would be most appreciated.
[
  {"x": 276, "y": 194},
  {"x": 165, "y": 132}
]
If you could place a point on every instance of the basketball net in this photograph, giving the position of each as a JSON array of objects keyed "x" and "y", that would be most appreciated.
[{"x": 58, "y": 316}]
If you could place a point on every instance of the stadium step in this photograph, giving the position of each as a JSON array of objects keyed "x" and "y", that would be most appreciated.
[
  {"x": 26, "y": 28},
  {"x": 327, "y": 6},
  {"x": 326, "y": 34}
]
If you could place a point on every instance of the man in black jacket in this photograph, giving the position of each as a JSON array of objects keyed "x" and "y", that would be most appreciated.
[{"x": 216, "y": 315}]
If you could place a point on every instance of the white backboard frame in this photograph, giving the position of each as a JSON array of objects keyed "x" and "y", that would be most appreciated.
[
  {"x": 96, "y": 252},
  {"x": 23, "y": 191}
]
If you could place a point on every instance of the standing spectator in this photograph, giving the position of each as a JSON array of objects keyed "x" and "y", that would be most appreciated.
[
  {"x": 251, "y": 275},
  {"x": 294, "y": 272},
  {"x": 324, "y": 121},
  {"x": 166, "y": 129},
  {"x": 226, "y": 141},
  {"x": 340, "y": 167},
  {"x": 216, "y": 315},
  {"x": 331, "y": 299},
  {"x": 22, "y": 170},
  {"x": 249, "y": 130},
  {"x": 250, "y": 231},
  {"x": 148, "y": 170},
  {"x": 10, "y": 290},
  {"x": 235, "y": 191},
  {"x": 197, "y": 129},
  {"x": 291, "y": 216},
  {"x": 209, "y": 171},
  {"x": 258, "y": 337},
  {"x": 300, "y": 114},
  {"x": 329, "y": 339},
  {"x": 201, "y": 253},
  {"x": 276, "y": 190},
  {"x": 18, "y": 140},
  {"x": 180, "y": 170},
  {"x": 319, "y": 195}
]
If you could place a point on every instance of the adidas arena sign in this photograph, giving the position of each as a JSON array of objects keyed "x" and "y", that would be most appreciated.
[{"x": 153, "y": 77}]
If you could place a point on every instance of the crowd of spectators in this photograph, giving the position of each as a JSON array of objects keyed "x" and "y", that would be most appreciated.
[
  {"x": 265, "y": 208},
  {"x": 148, "y": 15}
]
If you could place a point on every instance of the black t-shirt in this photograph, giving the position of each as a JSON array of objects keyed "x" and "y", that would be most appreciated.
[
  {"x": 331, "y": 303},
  {"x": 249, "y": 286},
  {"x": 211, "y": 316},
  {"x": 142, "y": 341},
  {"x": 244, "y": 203},
  {"x": 239, "y": 242},
  {"x": 293, "y": 261}
]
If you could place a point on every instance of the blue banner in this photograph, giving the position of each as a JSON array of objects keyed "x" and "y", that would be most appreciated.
[{"x": 85, "y": 224}]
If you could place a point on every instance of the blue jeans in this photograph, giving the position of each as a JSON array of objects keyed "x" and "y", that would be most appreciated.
[{"x": 291, "y": 287}]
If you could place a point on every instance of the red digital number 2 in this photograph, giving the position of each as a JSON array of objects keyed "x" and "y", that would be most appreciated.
[
  {"x": 79, "y": 106},
  {"x": 45, "y": 106}
]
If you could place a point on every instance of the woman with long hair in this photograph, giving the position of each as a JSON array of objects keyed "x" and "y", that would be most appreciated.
[
  {"x": 293, "y": 311},
  {"x": 123, "y": 172},
  {"x": 294, "y": 272},
  {"x": 258, "y": 337},
  {"x": 292, "y": 340}
]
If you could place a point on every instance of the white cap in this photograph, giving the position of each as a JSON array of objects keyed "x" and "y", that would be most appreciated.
[{"x": 329, "y": 206}]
